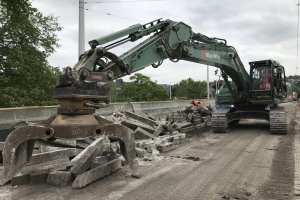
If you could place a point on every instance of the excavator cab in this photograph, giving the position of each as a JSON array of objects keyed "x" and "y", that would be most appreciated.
[{"x": 268, "y": 82}]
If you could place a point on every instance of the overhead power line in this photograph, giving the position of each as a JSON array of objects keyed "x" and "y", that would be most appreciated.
[
  {"x": 110, "y": 14},
  {"x": 126, "y": 1}
]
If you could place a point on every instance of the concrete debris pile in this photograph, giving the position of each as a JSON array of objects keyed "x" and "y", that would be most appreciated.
[
  {"x": 152, "y": 136},
  {"x": 191, "y": 118},
  {"x": 149, "y": 150},
  {"x": 61, "y": 162}
]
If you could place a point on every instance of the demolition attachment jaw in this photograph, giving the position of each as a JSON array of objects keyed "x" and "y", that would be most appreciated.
[{"x": 19, "y": 144}]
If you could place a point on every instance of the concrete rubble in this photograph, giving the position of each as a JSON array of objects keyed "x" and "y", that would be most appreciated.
[{"x": 80, "y": 162}]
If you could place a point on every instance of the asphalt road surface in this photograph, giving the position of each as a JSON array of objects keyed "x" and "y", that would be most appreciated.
[{"x": 245, "y": 163}]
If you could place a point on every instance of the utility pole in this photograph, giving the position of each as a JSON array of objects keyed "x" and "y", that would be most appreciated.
[
  {"x": 297, "y": 38},
  {"x": 81, "y": 36},
  {"x": 170, "y": 92},
  {"x": 207, "y": 69}
]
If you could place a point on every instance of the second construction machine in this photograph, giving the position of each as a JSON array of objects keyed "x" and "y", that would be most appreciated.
[{"x": 85, "y": 87}]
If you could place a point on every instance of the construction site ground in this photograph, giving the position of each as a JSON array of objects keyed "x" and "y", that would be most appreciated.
[{"x": 246, "y": 163}]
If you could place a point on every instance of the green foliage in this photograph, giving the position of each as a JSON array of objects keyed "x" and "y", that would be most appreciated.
[
  {"x": 112, "y": 91},
  {"x": 141, "y": 88},
  {"x": 296, "y": 88},
  {"x": 189, "y": 89},
  {"x": 27, "y": 38}
]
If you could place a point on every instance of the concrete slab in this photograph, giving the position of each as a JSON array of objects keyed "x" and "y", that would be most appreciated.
[
  {"x": 96, "y": 173},
  {"x": 51, "y": 165},
  {"x": 82, "y": 144},
  {"x": 53, "y": 155},
  {"x": 84, "y": 159},
  {"x": 140, "y": 133},
  {"x": 65, "y": 142},
  {"x": 134, "y": 124},
  {"x": 141, "y": 118}
]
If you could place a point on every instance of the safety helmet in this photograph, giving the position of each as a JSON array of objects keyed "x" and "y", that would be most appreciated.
[{"x": 195, "y": 102}]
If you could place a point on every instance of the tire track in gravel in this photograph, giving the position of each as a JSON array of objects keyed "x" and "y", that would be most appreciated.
[
  {"x": 281, "y": 183},
  {"x": 188, "y": 182},
  {"x": 166, "y": 181}
]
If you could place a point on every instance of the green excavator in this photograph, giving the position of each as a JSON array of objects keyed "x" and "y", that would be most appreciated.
[{"x": 85, "y": 87}]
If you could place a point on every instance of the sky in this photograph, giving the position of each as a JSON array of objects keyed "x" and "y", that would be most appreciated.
[{"x": 257, "y": 29}]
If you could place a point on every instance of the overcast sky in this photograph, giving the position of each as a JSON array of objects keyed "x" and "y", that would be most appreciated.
[{"x": 257, "y": 29}]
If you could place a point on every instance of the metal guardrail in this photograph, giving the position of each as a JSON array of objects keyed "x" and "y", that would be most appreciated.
[{"x": 10, "y": 116}]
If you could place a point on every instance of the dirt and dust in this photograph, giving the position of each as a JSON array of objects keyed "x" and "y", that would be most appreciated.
[{"x": 246, "y": 163}]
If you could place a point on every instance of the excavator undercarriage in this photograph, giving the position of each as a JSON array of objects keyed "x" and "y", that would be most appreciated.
[{"x": 223, "y": 119}]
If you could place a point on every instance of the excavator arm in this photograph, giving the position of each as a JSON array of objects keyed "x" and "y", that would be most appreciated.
[{"x": 168, "y": 40}]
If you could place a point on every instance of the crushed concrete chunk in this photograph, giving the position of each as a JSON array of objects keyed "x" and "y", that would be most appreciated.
[
  {"x": 140, "y": 152},
  {"x": 158, "y": 130}
]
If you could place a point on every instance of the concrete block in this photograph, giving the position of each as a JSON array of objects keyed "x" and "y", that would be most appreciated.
[
  {"x": 83, "y": 160},
  {"x": 100, "y": 160},
  {"x": 59, "y": 178},
  {"x": 20, "y": 179},
  {"x": 182, "y": 136},
  {"x": 158, "y": 130},
  {"x": 148, "y": 145},
  {"x": 38, "y": 177},
  {"x": 166, "y": 147},
  {"x": 46, "y": 148},
  {"x": 140, "y": 152},
  {"x": 81, "y": 144},
  {"x": 181, "y": 125},
  {"x": 187, "y": 129},
  {"x": 65, "y": 142},
  {"x": 88, "y": 140},
  {"x": 140, "y": 133},
  {"x": 176, "y": 140},
  {"x": 51, "y": 165},
  {"x": 141, "y": 118},
  {"x": 96, "y": 173},
  {"x": 53, "y": 155}
]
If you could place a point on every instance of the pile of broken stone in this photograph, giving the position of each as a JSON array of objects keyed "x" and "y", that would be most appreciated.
[{"x": 81, "y": 162}]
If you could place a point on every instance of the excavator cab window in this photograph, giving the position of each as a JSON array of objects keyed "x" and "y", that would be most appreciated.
[{"x": 261, "y": 78}]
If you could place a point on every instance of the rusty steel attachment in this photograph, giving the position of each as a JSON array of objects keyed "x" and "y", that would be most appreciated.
[{"x": 19, "y": 144}]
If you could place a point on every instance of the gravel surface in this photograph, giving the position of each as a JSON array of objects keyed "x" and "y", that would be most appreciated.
[{"x": 246, "y": 163}]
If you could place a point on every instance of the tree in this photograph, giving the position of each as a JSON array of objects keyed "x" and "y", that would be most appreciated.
[
  {"x": 27, "y": 38},
  {"x": 189, "y": 89},
  {"x": 141, "y": 88}
]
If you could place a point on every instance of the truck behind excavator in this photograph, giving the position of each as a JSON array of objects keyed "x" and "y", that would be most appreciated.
[{"x": 85, "y": 87}]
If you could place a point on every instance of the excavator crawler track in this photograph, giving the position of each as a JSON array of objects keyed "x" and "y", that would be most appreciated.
[
  {"x": 219, "y": 121},
  {"x": 278, "y": 121}
]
